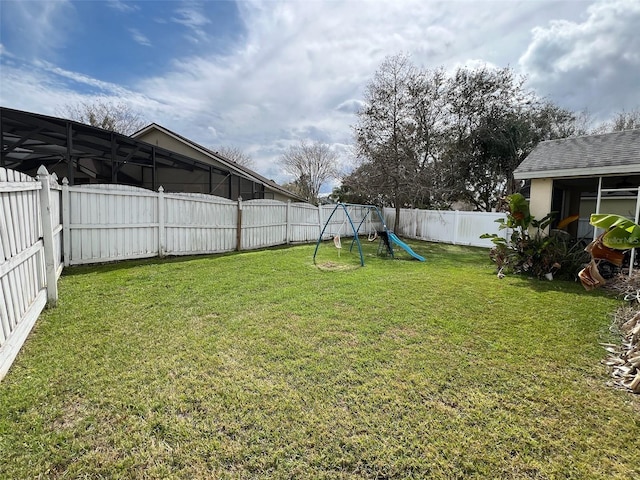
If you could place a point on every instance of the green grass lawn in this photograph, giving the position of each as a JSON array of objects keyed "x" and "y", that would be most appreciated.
[{"x": 263, "y": 365}]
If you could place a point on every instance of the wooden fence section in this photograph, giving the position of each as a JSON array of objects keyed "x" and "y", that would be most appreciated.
[
  {"x": 455, "y": 227},
  {"x": 303, "y": 223},
  {"x": 104, "y": 223},
  {"x": 30, "y": 258}
]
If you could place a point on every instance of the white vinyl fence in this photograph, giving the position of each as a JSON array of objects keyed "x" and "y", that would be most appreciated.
[
  {"x": 455, "y": 227},
  {"x": 43, "y": 225},
  {"x": 364, "y": 219},
  {"x": 104, "y": 223},
  {"x": 30, "y": 258}
]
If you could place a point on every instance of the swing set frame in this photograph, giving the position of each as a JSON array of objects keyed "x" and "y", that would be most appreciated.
[{"x": 356, "y": 231}]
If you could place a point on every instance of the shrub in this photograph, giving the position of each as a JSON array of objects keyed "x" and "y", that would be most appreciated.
[{"x": 535, "y": 254}]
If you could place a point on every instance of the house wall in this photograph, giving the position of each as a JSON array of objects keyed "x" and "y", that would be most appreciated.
[
  {"x": 541, "y": 195},
  {"x": 162, "y": 140},
  {"x": 269, "y": 194}
]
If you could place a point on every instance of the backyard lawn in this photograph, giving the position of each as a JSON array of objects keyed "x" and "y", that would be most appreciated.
[{"x": 264, "y": 365}]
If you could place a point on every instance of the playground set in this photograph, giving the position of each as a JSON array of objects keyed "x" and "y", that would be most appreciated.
[{"x": 369, "y": 221}]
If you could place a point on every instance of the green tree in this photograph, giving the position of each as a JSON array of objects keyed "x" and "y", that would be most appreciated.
[
  {"x": 425, "y": 139},
  {"x": 394, "y": 134},
  {"x": 495, "y": 123}
]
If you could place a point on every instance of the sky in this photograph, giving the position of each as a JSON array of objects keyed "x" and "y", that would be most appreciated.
[{"x": 264, "y": 75}]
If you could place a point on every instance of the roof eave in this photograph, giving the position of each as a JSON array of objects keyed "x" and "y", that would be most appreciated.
[{"x": 578, "y": 172}]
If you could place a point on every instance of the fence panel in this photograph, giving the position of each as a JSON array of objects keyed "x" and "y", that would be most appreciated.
[
  {"x": 455, "y": 227},
  {"x": 264, "y": 223},
  {"x": 22, "y": 273},
  {"x": 196, "y": 223},
  {"x": 304, "y": 223},
  {"x": 364, "y": 220},
  {"x": 470, "y": 225},
  {"x": 112, "y": 222}
]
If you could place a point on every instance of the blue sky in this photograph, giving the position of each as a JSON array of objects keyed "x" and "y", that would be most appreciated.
[{"x": 263, "y": 75}]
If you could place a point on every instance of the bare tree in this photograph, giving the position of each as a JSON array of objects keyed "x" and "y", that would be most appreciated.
[
  {"x": 236, "y": 155},
  {"x": 116, "y": 117},
  {"x": 621, "y": 121},
  {"x": 312, "y": 164}
]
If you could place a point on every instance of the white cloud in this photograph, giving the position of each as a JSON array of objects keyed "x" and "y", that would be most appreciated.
[
  {"x": 125, "y": 7},
  {"x": 350, "y": 106},
  {"x": 191, "y": 17},
  {"x": 140, "y": 37},
  {"x": 590, "y": 64},
  {"x": 300, "y": 68},
  {"x": 47, "y": 24},
  {"x": 98, "y": 87},
  {"x": 44, "y": 88}
]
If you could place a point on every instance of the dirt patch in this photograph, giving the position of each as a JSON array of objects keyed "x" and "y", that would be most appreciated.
[{"x": 333, "y": 266}]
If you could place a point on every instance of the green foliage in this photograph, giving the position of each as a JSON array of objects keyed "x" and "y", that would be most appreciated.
[
  {"x": 621, "y": 233},
  {"x": 433, "y": 138},
  {"x": 534, "y": 254}
]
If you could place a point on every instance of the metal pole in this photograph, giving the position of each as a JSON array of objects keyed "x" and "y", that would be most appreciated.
[
  {"x": 595, "y": 230},
  {"x": 633, "y": 250}
]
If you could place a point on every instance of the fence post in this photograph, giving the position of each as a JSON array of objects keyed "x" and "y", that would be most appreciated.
[
  {"x": 239, "y": 226},
  {"x": 320, "y": 220},
  {"x": 456, "y": 225},
  {"x": 161, "y": 225},
  {"x": 66, "y": 223},
  {"x": 288, "y": 234},
  {"x": 47, "y": 237}
]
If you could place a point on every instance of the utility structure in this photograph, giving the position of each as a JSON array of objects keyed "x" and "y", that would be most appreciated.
[{"x": 367, "y": 215}]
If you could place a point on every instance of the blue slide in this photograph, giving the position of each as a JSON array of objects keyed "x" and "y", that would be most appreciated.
[{"x": 393, "y": 238}]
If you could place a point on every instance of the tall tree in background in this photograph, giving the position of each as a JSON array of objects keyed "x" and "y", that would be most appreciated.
[
  {"x": 500, "y": 140},
  {"x": 385, "y": 130},
  {"x": 236, "y": 155},
  {"x": 116, "y": 117},
  {"x": 488, "y": 125},
  {"x": 431, "y": 186},
  {"x": 426, "y": 139},
  {"x": 311, "y": 164},
  {"x": 625, "y": 120},
  {"x": 361, "y": 186}
]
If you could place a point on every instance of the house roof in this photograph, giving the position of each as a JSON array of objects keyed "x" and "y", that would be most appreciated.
[
  {"x": 241, "y": 170},
  {"x": 31, "y": 139},
  {"x": 615, "y": 153}
]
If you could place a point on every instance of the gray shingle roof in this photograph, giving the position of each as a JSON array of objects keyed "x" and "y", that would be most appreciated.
[{"x": 591, "y": 155}]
